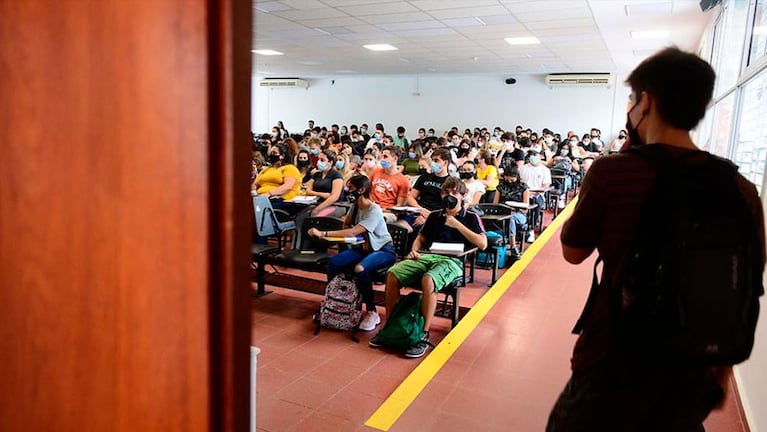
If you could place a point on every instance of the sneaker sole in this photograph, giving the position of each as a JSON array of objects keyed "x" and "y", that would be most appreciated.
[
  {"x": 378, "y": 321},
  {"x": 419, "y": 355}
]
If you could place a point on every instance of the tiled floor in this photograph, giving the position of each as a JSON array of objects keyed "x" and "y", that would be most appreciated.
[{"x": 504, "y": 377}]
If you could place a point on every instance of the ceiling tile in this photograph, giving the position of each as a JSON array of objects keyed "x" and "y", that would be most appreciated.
[
  {"x": 462, "y": 22},
  {"x": 469, "y": 12},
  {"x": 499, "y": 19},
  {"x": 398, "y": 17},
  {"x": 429, "y": 5},
  {"x": 333, "y": 22},
  {"x": 303, "y": 4},
  {"x": 272, "y": 6},
  {"x": 379, "y": 9},
  {"x": 414, "y": 25},
  {"x": 441, "y": 32},
  {"x": 545, "y": 5},
  {"x": 297, "y": 15}
]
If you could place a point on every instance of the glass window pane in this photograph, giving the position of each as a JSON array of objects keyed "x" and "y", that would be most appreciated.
[
  {"x": 750, "y": 150},
  {"x": 759, "y": 33},
  {"x": 722, "y": 123},
  {"x": 731, "y": 51}
]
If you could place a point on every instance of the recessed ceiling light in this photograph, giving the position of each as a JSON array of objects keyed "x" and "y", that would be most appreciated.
[
  {"x": 380, "y": 47},
  {"x": 266, "y": 52},
  {"x": 527, "y": 40},
  {"x": 650, "y": 34}
]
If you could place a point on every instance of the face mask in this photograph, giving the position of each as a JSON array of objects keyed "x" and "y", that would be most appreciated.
[
  {"x": 436, "y": 168},
  {"x": 586, "y": 143},
  {"x": 314, "y": 135},
  {"x": 303, "y": 163},
  {"x": 322, "y": 166},
  {"x": 412, "y": 155},
  {"x": 564, "y": 152},
  {"x": 385, "y": 164},
  {"x": 370, "y": 164},
  {"x": 314, "y": 151},
  {"x": 363, "y": 130},
  {"x": 450, "y": 202},
  {"x": 466, "y": 175},
  {"x": 573, "y": 143},
  {"x": 548, "y": 140},
  {"x": 352, "y": 196},
  {"x": 534, "y": 160},
  {"x": 377, "y": 136},
  {"x": 633, "y": 132},
  {"x": 431, "y": 134},
  {"x": 274, "y": 158},
  {"x": 464, "y": 147},
  {"x": 340, "y": 164},
  {"x": 422, "y": 171},
  {"x": 343, "y": 131}
]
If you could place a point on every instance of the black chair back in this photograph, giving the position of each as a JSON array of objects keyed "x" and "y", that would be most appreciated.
[
  {"x": 321, "y": 223},
  {"x": 400, "y": 237}
]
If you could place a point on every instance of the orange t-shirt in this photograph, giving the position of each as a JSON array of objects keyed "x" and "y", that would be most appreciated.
[{"x": 385, "y": 188}]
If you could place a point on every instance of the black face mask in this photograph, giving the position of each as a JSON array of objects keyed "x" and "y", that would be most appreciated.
[
  {"x": 352, "y": 196},
  {"x": 422, "y": 171},
  {"x": 466, "y": 175},
  {"x": 450, "y": 202},
  {"x": 302, "y": 163},
  {"x": 633, "y": 132},
  {"x": 274, "y": 158}
]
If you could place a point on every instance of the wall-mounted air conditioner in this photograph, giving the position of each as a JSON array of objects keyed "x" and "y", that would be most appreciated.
[
  {"x": 579, "y": 79},
  {"x": 283, "y": 83}
]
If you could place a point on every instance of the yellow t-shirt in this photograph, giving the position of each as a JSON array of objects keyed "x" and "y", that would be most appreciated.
[
  {"x": 271, "y": 178},
  {"x": 489, "y": 171}
]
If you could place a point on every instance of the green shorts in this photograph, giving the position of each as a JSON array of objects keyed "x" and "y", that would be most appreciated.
[{"x": 442, "y": 270}]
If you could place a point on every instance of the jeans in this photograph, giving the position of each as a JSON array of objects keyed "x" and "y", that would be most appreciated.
[
  {"x": 518, "y": 220},
  {"x": 371, "y": 262}
]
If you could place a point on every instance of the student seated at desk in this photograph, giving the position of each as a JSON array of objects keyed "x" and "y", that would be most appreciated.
[
  {"x": 364, "y": 219},
  {"x": 512, "y": 188},
  {"x": 431, "y": 272},
  {"x": 426, "y": 192},
  {"x": 326, "y": 183}
]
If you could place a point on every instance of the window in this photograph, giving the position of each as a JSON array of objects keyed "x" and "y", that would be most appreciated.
[
  {"x": 730, "y": 50},
  {"x": 722, "y": 123},
  {"x": 758, "y": 33},
  {"x": 750, "y": 150}
]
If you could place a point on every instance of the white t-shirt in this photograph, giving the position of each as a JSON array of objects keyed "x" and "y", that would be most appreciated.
[
  {"x": 473, "y": 188},
  {"x": 535, "y": 176}
]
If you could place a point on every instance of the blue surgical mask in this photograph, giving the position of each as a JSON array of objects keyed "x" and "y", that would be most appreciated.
[
  {"x": 385, "y": 164},
  {"x": 314, "y": 151},
  {"x": 564, "y": 152},
  {"x": 377, "y": 136},
  {"x": 436, "y": 168},
  {"x": 412, "y": 155},
  {"x": 534, "y": 160},
  {"x": 322, "y": 166},
  {"x": 340, "y": 164},
  {"x": 363, "y": 130},
  {"x": 343, "y": 131}
]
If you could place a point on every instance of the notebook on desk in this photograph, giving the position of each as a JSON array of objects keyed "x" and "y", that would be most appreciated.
[
  {"x": 405, "y": 209},
  {"x": 305, "y": 199},
  {"x": 446, "y": 248}
]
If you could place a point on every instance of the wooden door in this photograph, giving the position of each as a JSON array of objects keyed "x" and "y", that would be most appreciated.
[{"x": 124, "y": 219}]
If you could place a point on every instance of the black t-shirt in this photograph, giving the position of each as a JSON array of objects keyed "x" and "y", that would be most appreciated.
[
  {"x": 429, "y": 187},
  {"x": 511, "y": 191},
  {"x": 325, "y": 184},
  {"x": 434, "y": 229}
]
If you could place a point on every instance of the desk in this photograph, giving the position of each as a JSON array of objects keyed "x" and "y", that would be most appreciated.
[
  {"x": 303, "y": 200},
  {"x": 405, "y": 209},
  {"x": 492, "y": 220},
  {"x": 520, "y": 205}
]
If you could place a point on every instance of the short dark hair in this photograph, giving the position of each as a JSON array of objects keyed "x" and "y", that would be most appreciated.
[
  {"x": 455, "y": 184},
  {"x": 360, "y": 182},
  {"x": 509, "y": 136},
  {"x": 681, "y": 83},
  {"x": 442, "y": 152},
  {"x": 400, "y": 129}
]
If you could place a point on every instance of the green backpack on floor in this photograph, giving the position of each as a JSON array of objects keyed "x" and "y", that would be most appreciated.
[{"x": 404, "y": 328}]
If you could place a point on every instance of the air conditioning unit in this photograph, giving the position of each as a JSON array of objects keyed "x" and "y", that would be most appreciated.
[
  {"x": 283, "y": 83},
  {"x": 579, "y": 79}
]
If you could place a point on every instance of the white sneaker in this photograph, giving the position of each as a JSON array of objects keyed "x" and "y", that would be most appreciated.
[
  {"x": 369, "y": 321},
  {"x": 561, "y": 203},
  {"x": 530, "y": 237}
]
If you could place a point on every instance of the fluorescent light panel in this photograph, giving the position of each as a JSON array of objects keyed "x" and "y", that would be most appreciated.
[
  {"x": 267, "y": 52},
  {"x": 527, "y": 40},
  {"x": 380, "y": 47},
  {"x": 650, "y": 34}
]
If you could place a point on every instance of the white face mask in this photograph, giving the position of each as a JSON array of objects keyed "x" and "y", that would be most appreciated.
[{"x": 370, "y": 164}]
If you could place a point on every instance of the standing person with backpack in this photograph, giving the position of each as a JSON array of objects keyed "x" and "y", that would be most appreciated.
[
  {"x": 364, "y": 219},
  {"x": 678, "y": 299}
]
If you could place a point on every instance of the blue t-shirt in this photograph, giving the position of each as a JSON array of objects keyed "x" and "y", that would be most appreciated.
[{"x": 434, "y": 229}]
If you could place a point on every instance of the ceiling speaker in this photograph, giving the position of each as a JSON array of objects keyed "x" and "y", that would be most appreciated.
[{"x": 510, "y": 81}]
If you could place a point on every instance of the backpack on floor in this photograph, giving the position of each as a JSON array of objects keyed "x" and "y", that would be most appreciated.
[
  {"x": 404, "y": 328},
  {"x": 341, "y": 309},
  {"x": 689, "y": 291}
]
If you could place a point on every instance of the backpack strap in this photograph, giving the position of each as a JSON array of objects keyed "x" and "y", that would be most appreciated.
[{"x": 590, "y": 301}]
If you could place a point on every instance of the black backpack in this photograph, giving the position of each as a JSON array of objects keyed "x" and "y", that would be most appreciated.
[{"x": 691, "y": 283}]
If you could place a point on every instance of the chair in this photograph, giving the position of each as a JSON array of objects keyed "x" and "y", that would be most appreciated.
[
  {"x": 400, "y": 238},
  {"x": 259, "y": 253},
  {"x": 268, "y": 223},
  {"x": 311, "y": 254}
]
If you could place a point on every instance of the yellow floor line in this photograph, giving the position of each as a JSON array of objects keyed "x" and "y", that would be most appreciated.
[{"x": 401, "y": 398}]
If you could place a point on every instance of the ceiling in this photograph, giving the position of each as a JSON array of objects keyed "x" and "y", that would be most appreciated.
[{"x": 322, "y": 38}]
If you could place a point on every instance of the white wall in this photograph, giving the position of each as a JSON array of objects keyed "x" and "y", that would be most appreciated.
[{"x": 444, "y": 101}]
